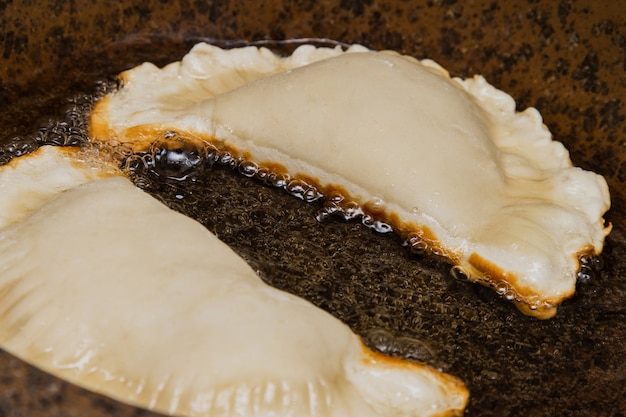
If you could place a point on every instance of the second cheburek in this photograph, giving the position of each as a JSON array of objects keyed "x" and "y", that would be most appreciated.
[
  {"x": 449, "y": 163},
  {"x": 97, "y": 289}
]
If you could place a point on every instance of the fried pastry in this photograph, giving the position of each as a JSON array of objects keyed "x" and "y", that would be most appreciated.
[
  {"x": 106, "y": 287},
  {"x": 448, "y": 163}
]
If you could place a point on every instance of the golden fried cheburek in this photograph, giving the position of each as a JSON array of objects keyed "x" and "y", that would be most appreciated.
[
  {"x": 106, "y": 287},
  {"x": 449, "y": 163}
]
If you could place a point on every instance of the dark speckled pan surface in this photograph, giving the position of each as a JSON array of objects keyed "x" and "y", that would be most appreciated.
[{"x": 567, "y": 58}]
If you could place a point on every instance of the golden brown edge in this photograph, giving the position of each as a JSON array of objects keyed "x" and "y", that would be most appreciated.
[{"x": 452, "y": 384}]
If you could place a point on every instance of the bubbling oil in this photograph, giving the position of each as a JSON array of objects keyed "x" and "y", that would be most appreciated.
[
  {"x": 392, "y": 345},
  {"x": 590, "y": 267},
  {"x": 69, "y": 129},
  {"x": 175, "y": 158}
]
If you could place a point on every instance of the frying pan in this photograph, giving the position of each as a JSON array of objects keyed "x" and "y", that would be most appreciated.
[{"x": 566, "y": 58}]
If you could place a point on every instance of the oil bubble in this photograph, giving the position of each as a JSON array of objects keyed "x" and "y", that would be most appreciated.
[
  {"x": 337, "y": 204},
  {"x": 416, "y": 244},
  {"x": 438, "y": 251},
  {"x": 177, "y": 163},
  {"x": 379, "y": 339},
  {"x": 226, "y": 159},
  {"x": 325, "y": 212},
  {"x": 211, "y": 155},
  {"x": 533, "y": 303},
  {"x": 458, "y": 273},
  {"x": 303, "y": 190},
  {"x": 272, "y": 179},
  {"x": 598, "y": 263},
  {"x": 407, "y": 347},
  {"x": 248, "y": 168},
  {"x": 411, "y": 348},
  {"x": 351, "y": 210},
  {"x": 377, "y": 225},
  {"x": 590, "y": 267},
  {"x": 585, "y": 275},
  {"x": 502, "y": 289},
  {"x": 335, "y": 198}
]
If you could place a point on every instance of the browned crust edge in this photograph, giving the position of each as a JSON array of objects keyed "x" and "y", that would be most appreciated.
[{"x": 453, "y": 385}]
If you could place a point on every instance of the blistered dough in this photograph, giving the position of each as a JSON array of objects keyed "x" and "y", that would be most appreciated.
[
  {"x": 104, "y": 286},
  {"x": 448, "y": 162}
]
